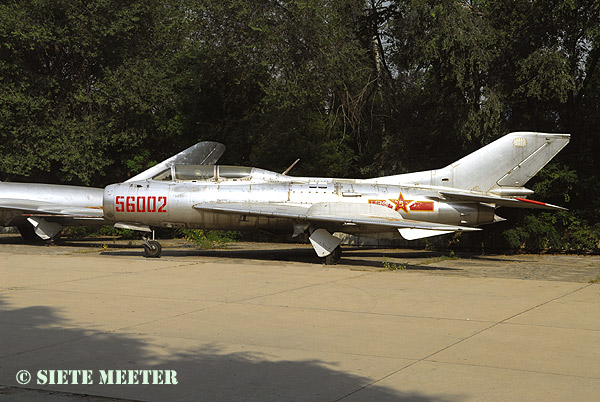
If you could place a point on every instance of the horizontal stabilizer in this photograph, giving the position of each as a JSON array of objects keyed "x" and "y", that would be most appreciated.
[{"x": 498, "y": 201}]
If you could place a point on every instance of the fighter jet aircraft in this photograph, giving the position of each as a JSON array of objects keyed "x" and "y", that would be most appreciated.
[
  {"x": 459, "y": 197},
  {"x": 42, "y": 210}
]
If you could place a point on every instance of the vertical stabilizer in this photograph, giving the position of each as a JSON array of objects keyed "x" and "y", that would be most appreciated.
[{"x": 507, "y": 163}]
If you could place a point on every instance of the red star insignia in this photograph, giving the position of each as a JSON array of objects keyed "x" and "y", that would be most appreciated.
[{"x": 401, "y": 203}]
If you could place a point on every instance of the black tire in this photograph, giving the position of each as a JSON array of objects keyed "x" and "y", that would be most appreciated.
[
  {"x": 57, "y": 238},
  {"x": 332, "y": 258},
  {"x": 152, "y": 249}
]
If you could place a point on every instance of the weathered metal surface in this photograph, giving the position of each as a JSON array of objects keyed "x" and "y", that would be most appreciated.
[
  {"x": 461, "y": 196},
  {"x": 44, "y": 209}
]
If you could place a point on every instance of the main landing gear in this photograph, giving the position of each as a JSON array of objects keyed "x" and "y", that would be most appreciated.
[
  {"x": 326, "y": 246},
  {"x": 38, "y": 229},
  {"x": 152, "y": 248},
  {"x": 332, "y": 258}
]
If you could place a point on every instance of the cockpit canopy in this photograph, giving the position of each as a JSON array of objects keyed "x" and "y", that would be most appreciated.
[{"x": 204, "y": 173}]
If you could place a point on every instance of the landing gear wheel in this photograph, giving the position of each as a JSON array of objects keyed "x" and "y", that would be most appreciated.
[
  {"x": 152, "y": 249},
  {"x": 333, "y": 258},
  {"x": 57, "y": 238}
]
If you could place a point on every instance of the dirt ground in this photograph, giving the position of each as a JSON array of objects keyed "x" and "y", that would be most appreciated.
[{"x": 551, "y": 267}]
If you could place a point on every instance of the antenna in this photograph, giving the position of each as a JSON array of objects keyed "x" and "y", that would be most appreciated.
[{"x": 291, "y": 166}]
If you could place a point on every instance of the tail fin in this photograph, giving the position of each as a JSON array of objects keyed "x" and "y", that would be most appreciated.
[{"x": 505, "y": 164}]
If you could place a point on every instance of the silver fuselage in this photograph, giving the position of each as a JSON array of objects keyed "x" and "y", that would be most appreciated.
[
  {"x": 67, "y": 205},
  {"x": 49, "y": 207},
  {"x": 171, "y": 204}
]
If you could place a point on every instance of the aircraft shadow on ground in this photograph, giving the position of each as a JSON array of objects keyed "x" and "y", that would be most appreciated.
[
  {"x": 300, "y": 255},
  {"x": 99, "y": 242},
  {"x": 484, "y": 258},
  {"x": 363, "y": 258},
  {"x": 304, "y": 255},
  {"x": 205, "y": 372},
  {"x": 88, "y": 242}
]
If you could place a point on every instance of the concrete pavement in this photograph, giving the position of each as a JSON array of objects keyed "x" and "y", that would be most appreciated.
[{"x": 266, "y": 330}]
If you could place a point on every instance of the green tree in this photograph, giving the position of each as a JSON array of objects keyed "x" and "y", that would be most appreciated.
[
  {"x": 276, "y": 81},
  {"x": 83, "y": 85},
  {"x": 92, "y": 92}
]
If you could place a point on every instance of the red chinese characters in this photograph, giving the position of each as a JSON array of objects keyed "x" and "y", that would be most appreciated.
[{"x": 400, "y": 204}]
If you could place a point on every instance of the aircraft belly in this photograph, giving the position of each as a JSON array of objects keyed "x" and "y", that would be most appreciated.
[{"x": 221, "y": 221}]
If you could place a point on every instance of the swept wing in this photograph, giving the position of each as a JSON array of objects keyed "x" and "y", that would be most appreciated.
[{"x": 342, "y": 213}]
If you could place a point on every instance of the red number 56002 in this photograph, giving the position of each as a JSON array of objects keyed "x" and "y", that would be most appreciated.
[{"x": 141, "y": 203}]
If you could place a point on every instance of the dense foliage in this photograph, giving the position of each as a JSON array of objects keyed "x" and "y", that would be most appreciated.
[{"x": 94, "y": 91}]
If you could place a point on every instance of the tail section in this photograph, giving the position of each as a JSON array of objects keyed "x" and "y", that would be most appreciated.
[
  {"x": 502, "y": 167},
  {"x": 507, "y": 162}
]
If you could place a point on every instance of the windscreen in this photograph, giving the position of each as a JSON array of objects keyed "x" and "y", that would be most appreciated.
[{"x": 165, "y": 175}]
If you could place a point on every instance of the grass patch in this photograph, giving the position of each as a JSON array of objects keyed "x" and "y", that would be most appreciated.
[
  {"x": 80, "y": 232},
  {"x": 394, "y": 267},
  {"x": 595, "y": 279},
  {"x": 210, "y": 239}
]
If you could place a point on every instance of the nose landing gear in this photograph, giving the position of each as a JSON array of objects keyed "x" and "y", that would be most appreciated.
[{"x": 152, "y": 248}]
